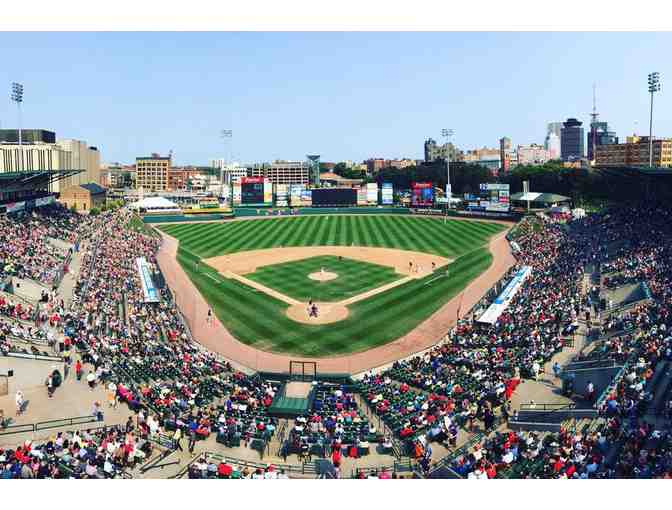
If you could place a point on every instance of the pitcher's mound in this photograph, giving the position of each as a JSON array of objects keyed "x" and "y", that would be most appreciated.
[
  {"x": 326, "y": 313},
  {"x": 323, "y": 276}
]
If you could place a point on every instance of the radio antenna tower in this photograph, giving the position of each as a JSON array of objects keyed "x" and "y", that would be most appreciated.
[{"x": 593, "y": 124}]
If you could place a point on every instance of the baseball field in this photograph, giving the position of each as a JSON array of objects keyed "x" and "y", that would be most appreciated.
[{"x": 378, "y": 276}]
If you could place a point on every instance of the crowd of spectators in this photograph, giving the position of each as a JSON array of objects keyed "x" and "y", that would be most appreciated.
[
  {"x": 29, "y": 251},
  {"x": 145, "y": 358},
  {"x": 105, "y": 452}
]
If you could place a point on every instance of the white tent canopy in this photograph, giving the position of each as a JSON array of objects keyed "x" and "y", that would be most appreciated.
[{"x": 155, "y": 204}]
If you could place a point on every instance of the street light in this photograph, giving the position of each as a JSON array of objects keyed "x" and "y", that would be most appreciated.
[
  {"x": 447, "y": 133},
  {"x": 17, "y": 97},
  {"x": 654, "y": 86}
]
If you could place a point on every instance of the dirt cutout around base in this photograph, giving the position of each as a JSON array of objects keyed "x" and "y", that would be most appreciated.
[
  {"x": 323, "y": 276},
  {"x": 326, "y": 313},
  {"x": 408, "y": 263},
  {"x": 411, "y": 264}
]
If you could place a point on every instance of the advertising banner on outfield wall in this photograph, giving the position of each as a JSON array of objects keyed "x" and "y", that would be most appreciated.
[
  {"x": 295, "y": 191},
  {"x": 361, "y": 196},
  {"x": 387, "y": 197},
  {"x": 372, "y": 193},
  {"x": 268, "y": 192},
  {"x": 237, "y": 193},
  {"x": 306, "y": 198},
  {"x": 500, "y": 304},
  {"x": 281, "y": 195}
]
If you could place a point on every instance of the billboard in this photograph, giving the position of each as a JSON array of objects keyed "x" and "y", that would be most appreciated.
[
  {"x": 334, "y": 197},
  {"x": 268, "y": 192},
  {"x": 255, "y": 191},
  {"x": 387, "y": 197},
  {"x": 493, "y": 197},
  {"x": 422, "y": 194},
  {"x": 237, "y": 193},
  {"x": 361, "y": 196},
  {"x": 306, "y": 197},
  {"x": 295, "y": 191},
  {"x": 281, "y": 195},
  {"x": 372, "y": 193}
]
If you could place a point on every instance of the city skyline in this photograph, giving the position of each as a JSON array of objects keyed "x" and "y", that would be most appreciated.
[{"x": 346, "y": 96}]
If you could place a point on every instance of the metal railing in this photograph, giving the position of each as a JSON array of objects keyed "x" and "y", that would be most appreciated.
[
  {"x": 546, "y": 406},
  {"x": 45, "y": 425},
  {"x": 306, "y": 468}
]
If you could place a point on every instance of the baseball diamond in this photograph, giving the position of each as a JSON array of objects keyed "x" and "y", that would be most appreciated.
[{"x": 232, "y": 265}]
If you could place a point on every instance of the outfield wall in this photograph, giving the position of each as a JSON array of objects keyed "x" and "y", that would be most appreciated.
[{"x": 272, "y": 212}]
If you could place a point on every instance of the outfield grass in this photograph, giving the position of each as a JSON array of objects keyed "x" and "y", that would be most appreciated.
[
  {"x": 429, "y": 235},
  {"x": 260, "y": 320},
  {"x": 354, "y": 277}
]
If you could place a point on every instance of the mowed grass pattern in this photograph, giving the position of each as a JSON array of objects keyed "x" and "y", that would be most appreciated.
[
  {"x": 430, "y": 235},
  {"x": 260, "y": 320},
  {"x": 354, "y": 277}
]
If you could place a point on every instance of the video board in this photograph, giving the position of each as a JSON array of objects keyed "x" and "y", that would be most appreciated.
[
  {"x": 334, "y": 197},
  {"x": 422, "y": 194}
]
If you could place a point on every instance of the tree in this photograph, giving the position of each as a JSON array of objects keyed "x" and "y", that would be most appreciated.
[{"x": 340, "y": 168}]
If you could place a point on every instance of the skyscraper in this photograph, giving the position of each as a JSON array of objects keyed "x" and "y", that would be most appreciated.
[
  {"x": 571, "y": 140},
  {"x": 552, "y": 140}
]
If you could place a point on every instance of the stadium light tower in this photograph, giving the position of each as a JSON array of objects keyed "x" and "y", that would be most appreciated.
[
  {"x": 17, "y": 97},
  {"x": 227, "y": 136},
  {"x": 447, "y": 133},
  {"x": 654, "y": 86}
]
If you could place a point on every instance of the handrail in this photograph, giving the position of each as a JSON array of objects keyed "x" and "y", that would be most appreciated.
[
  {"x": 304, "y": 468},
  {"x": 549, "y": 406},
  {"x": 45, "y": 425}
]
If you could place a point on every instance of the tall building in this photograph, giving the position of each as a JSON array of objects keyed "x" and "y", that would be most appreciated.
[
  {"x": 635, "y": 152},
  {"x": 599, "y": 135},
  {"x": 571, "y": 140},
  {"x": 434, "y": 151},
  {"x": 83, "y": 157},
  {"x": 552, "y": 145},
  {"x": 533, "y": 154},
  {"x": 505, "y": 153},
  {"x": 554, "y": 128},
  {"x": 552, "y": 140},
  {"x": 151, "y": 173},
  {"x": 282, "y": 172}
]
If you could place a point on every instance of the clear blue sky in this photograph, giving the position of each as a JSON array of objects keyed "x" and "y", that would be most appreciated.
[{"x": 341, "y": 95}]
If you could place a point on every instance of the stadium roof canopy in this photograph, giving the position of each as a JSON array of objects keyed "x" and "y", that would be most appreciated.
[
  {"x": 150, "y": 203},
  {"x": 542, "y": 198}
]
